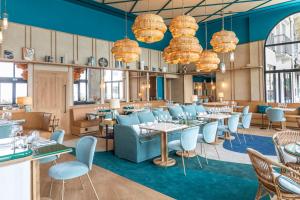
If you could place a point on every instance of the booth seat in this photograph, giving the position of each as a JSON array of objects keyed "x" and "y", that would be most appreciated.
[
  {"x": 291, "y": 117},
  {"x": 39, "y": 121},
  {"x": 134, "y": 144}
]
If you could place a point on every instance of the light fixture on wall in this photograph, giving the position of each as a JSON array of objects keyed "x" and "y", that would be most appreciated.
[
  {"x": 231, "y": 54},
  {"x": 5, "y": 17},
  {"x": 222, "y": 65},
  {"x": 149, "y": 27},
  {"x": 126, "y": 50},
  {"x": 1, "y": 35},
  {"x": 224, "y": 41}
]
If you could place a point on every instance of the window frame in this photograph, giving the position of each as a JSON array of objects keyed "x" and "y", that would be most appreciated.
[
  {"x": 111, "y": 81},
  {"x": 78, "y": 82},
  {"x": 14, "y": 81}
]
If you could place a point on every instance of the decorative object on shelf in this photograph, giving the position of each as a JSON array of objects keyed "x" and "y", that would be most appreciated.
[
  {"x": 221, "y": 96},
  {"x": 28, "y": 54},
  {"x": 77, "y": 72},
  {"x": 154, "y": 69},
  {"x": 103, "y": 62},
  {"x": 183, "y": 25},
  {"x": 5, "y": 18},
  {"x": 119, "y": 64},
  {"x": 184, "y": 69},
  {"x": 142, "y": 65},
  {"x": 185, "y": 49},
  {"x": 149, "y": 28},
  {"x": 114, "y": 104},
  {"x": 8, "y": 54},
  {"x": 25, "y": 102},
  {"x": 24, "y": 68},
  {"x": 62, "y": 59},
  {"x": 208, "y": 60},
  {"x": 224, "y": 41},
  {"x": 91, "y": 61},
  {"x": 146, "y": 68},
  {"x": 126, "y": 50},
  {"x": 164, "y": 69},
  {"x": 48, "y": 59}
]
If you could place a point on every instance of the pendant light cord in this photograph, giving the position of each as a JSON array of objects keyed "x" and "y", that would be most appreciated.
[
  {"x": 205, "y": 28},
  {"x": 222, "y": 13},
  {"x": 182, "y": 7},
  {"x": 126, "y": 33},
  {"x": 5, "y": 6}
]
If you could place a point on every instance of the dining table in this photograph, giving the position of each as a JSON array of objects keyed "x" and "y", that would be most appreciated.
[
  {"x": 293, "y": 149},
  {"x": 164, "y": 128}
]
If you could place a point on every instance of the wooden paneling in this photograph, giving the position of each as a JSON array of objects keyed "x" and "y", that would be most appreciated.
[
  {"x": 145, "y": 57},
  {"x": 103, "y": 50},
  {"x": 154, "y": 59},
  {"x": 85, "y": 49},
  {"x": 41, "y": 41},
  {"x": 64, "y": 47}
]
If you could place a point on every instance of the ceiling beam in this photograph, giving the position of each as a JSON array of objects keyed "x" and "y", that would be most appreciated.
[
  {"x": 124, "y": 1},
  {"x": 193, "y": 8},
  {"x": 133, "y": 6},
  {"x": 187, "y": 7},
  {"x": 259, "y": 5},
  {"x": 220, "y": 10},
  {"x": 203, "y": 15},
  {"x": 164, "y": 6}
]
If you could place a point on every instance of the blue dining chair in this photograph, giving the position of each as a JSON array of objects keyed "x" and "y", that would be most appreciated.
[
  {"x": 85, "y": 149},
  {"x": 187, "y": 143},
  {"x": 58, "y": 136},
  {"x": 245, "y": 110},
  {"x": 232, "y": 127},
  {"x": 275, "y": 115},
  {"x": 245, "y": 124},
  {"x": 208, "y": 136},
  {"x": 5, "y": 130}
]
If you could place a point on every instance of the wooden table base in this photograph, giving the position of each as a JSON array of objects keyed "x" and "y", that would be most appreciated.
[
  {"x": 170, "y": 162},
  {"x": 186, "y": 154}
]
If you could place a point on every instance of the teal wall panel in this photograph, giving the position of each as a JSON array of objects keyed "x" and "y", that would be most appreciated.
[{"x": 160, "y": 87}]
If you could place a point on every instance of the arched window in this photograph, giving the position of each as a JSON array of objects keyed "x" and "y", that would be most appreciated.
[{"x": 282, "y": 61}]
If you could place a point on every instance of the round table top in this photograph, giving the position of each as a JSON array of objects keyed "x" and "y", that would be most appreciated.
[{"x": 293, "y": 149}]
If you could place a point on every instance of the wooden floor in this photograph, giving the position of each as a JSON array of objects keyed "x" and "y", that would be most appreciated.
[{"x": 108, "y": 185}]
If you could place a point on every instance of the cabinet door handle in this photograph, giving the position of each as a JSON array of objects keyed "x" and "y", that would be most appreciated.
[{"x": 65, "y": 87}]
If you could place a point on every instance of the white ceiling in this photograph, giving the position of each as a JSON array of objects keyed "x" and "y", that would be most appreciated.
[{"x": 169, "y": 8}]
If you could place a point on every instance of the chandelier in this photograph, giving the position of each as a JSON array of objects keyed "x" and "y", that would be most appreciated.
[
  {"x": 207, "y": 62},
  {"x": 149, "y": 28},
  {"x": 167, "y": 56},
  {"x": 224, "y": 41},
  {"x": 126, "y": 50},
  {"x": 185, "y": 50},
  {"x": 183, "y": 25}
]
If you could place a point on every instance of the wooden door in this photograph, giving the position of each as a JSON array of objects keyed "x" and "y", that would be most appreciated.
[{"x": 50, "y": 94}]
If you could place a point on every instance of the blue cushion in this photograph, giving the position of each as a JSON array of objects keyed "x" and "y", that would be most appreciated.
[
  {"x": 146, "y": 117},
  {"x": 157, "y": 109},
  {"x": 175, "y": 111},
  {"x": 200, "y": 108},
  {"x": 175, "y": 145},
  {"x": 128, "y": 120},
  {"x": 159, "y": 114},
  {"x": 68, "y": 170},
  {"x": 288, "y": 185},
  {"x": 191, "y": 109}
]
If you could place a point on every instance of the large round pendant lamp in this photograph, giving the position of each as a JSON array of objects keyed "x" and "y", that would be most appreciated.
[
  {"x": 126, "y": 50},
  {"x": 185, "y": 49},
  {"x": 224, "y": 41},
  {"x": 208, "y": 61},
  {"x": 149, "y": 28},
  {"x": 183, "y": 25},
  {"x": 167, "y": 56}
]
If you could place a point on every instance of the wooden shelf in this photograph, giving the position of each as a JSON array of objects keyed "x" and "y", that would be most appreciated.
[{"x": 81, "y": 66}]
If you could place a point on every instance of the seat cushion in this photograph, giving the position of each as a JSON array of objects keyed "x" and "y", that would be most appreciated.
[
  {"x": 68, "y": 170},
  {"x": 190, "y": 109},
  {"x": 161, "y": 114},
  {"x": 176, "y": 111},
  {"x": 288, "y": 185},
  {"x": 146, "y": 116},
  {"x": 128, "y": 119},
  {"x": 288, "y": 158},
  {"x": 175, "y": 145}
]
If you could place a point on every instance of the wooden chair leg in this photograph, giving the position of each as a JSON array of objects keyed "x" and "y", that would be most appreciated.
[
  {"x": 51, "y": 185},
  {"x": 63, "y": 190},
  {"x": 259, "y": 192}
]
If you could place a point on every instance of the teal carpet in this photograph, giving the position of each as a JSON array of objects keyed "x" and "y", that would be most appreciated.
[{"x": 217, "y": 181}]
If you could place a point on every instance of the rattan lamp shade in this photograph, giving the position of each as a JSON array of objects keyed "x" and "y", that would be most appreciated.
[
  {"x": 224, "y": 41},
  {"x": 126, "y": 50},
  {"x": 208, "y": 61},
  {"x": 149, "y": 28},
  {"x": 183, "y": 25}
]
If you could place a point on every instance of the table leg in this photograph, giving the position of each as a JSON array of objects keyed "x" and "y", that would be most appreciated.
[
  {"x": 35, "y": 184},
  {"x": 164, "y": 160}
]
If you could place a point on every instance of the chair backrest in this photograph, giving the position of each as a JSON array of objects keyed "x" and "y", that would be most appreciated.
[
  {"x": 189, "y": 138},
  {"x": 263, "y": 169},
  {"x": 233, "y": 123},
  {"x": 5, "y": 130},
  {"x": 210, "y": 131},
  {"x": 275, "y": 114},
  {"x": 246, "y": 120},
  {"x": 245, "y": 110},
  {"x": 58, "y": 136},
  {"x": 282, "y": 138},
  {"x": 85, "y": 149}
]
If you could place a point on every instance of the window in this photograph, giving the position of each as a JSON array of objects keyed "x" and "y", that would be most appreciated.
[
  {"x": 80, "y": 88},
  {"x": 12, "y": 85},
  {"x": 114, "y": 87},
  {"x": 282, "y": 67}
]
